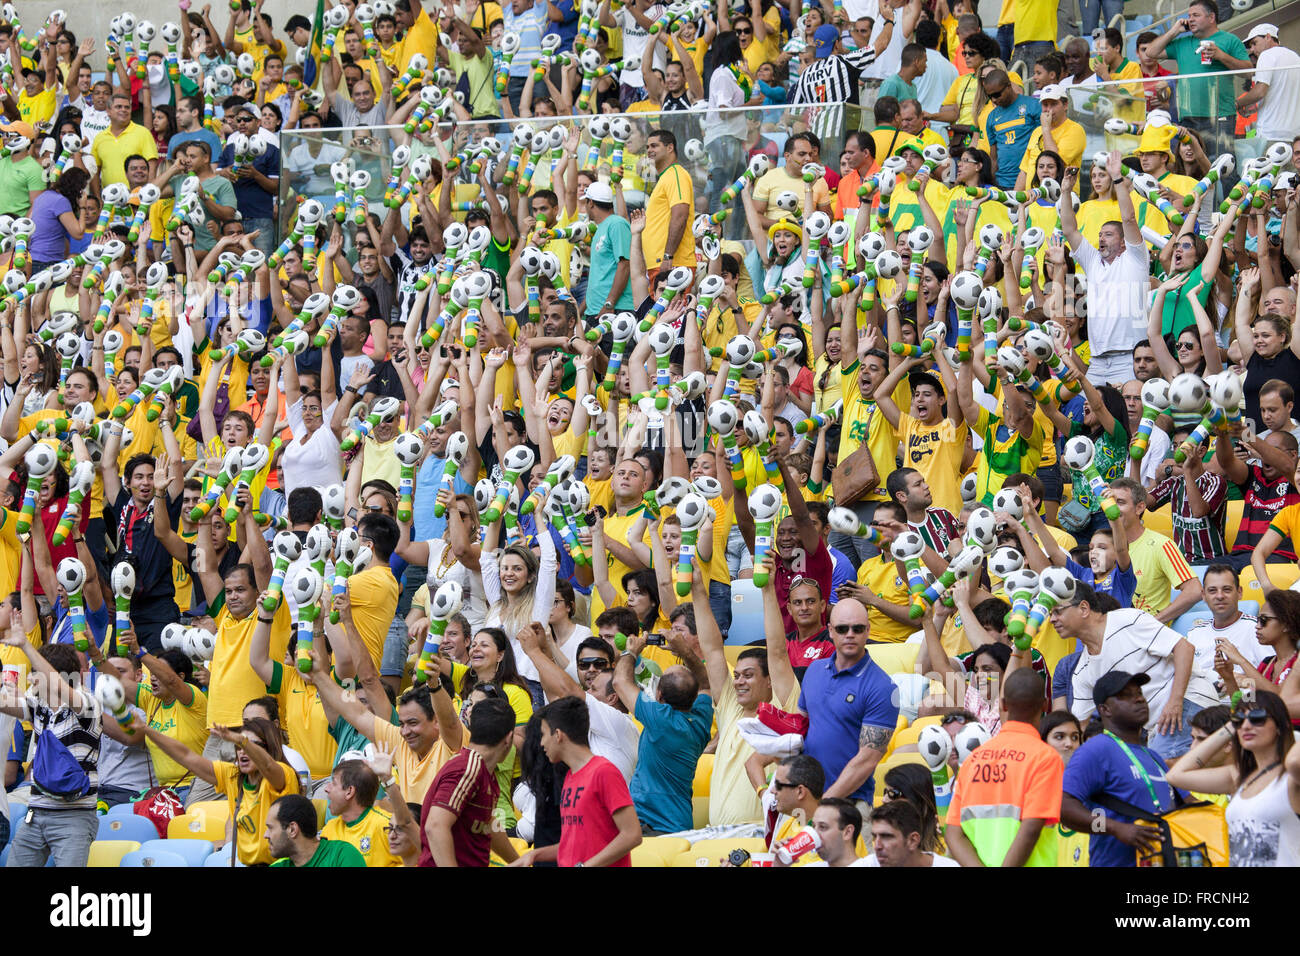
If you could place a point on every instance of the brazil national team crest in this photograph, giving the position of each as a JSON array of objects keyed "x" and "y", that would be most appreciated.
[{"x": 365, "y": 844}]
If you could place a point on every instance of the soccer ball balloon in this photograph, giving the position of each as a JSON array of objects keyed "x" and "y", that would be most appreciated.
[
  {"x": 935, "y": 745},
  {"x": 1079, "y": 452},
  {"x": 981, "y": 528},
  {"x": 1188, "y": 392},
  {"x": 969, "y": 739},
  {"x": 1004, "y": 561},
  {"x": 965, "y": 289}
]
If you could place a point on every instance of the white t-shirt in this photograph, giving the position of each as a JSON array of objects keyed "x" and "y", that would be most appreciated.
[
  {"x": 1279, "y": 112},
  {"x": 313, "y": 463},
  {"x": 891, "y": 59},
  {"x": 724, "y": 94},
  {"x": 635, "y": 38},
  {"x": 613, "y": 735},
  {"x": 1240, "y": 633},
  {"x": 1118, "y": 292},
  {"x": 1136, "y": 642},
  {"x": 93, "y": 122},
  {"x": 1155, "y": 456},
  {"x": 935, "y": 860}
]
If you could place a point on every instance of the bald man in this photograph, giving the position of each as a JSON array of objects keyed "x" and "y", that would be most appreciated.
[
  {"x": 1279, "y": 300},
  {"x": 851, "y": 705}
]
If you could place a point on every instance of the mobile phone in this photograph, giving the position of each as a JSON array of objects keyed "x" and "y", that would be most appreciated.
[
  {"x": 655, "y": 640},
  {"x": 1072, "y": 170}
]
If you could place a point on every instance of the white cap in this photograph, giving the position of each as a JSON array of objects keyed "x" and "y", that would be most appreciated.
[
  {"x": 1262, "y": 30},
  {"x": 1052, "y": 91},
  {"x": 599, "y": 192}
]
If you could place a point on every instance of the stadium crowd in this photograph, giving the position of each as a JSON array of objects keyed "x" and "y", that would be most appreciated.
[{"x": 590, "y": 433}]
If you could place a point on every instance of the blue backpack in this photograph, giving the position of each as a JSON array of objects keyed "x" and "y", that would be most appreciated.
[{"x": 55, "y": 771}]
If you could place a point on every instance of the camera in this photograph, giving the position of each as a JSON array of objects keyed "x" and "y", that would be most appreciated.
[
  {"x": 658, "y": 640},
  {"x": 738, "y": 857}
]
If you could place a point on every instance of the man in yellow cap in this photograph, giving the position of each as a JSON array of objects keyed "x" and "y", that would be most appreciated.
[
  {"x": 1154, "y": 154},
  {"x": 904, "y": 205}
]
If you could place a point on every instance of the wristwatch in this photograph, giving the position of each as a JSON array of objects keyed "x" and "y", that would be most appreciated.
[{"x": 352, "y": 513}]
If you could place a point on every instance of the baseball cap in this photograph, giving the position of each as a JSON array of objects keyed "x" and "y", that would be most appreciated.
[
  {"x": 915, "y": 379},
  {"x": 19, "y": 127},
  {"x": 826, "y": 36},
  {"x": 249, "y": 107},
  {"x": 1052, "y": 91},
  {"x": 1113, "y": 682},
  {"x": 915, "y": 144},
  {"x": 1262, "y": 30},
  {"x": 599, "y": 192}
]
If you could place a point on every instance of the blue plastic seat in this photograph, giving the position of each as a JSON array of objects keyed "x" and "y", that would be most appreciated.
[
  {"x": 746, "y": 612},
  {"x": 134, "y": 827},
  {"x": 120, "y": 811},
  {"x": 159, "y": 858},
  {"x": 193, "y": 852},
  {"x": 222, "y": 857}
]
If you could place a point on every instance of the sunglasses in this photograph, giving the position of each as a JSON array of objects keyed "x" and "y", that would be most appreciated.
[
  {"x": 777, "y": 784},
  {"x": 953, "y": 719},
  {"x": 1186, "y": 346},
  {"x": 842, "y": 629},
  {"x": 1264, "y": 618},
  {"x": 587, "y": 663},
  {"x": 743, "y": 31},
  {"x": 1258, "y": 717}
]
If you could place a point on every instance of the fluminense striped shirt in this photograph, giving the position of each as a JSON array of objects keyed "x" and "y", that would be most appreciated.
[{"x": 834, "y": 79}]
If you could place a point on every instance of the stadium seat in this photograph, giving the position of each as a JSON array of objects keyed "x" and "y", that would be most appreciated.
[
  {"x": 644, "y": 856},
  {"x": 707, "y": 853},
  {"x": 190, "y": 826},
  {"x": 109, "y": 853},
  {"x": 193, "y": 852},
  {"x": 889, "y": 763},
  {"x": 216, "y": 809},
  {"x": 703, "y": 773},
  {"x": 904, "y": 737},
  {"x": 894, "y": 658},
  {"x": 746, "y": 612},
  {"x": 699, "y": 812},
  {"x": 1232, "y": 521},
  {"x": 1159, "y": 521},
  {"x": 666, "y": 848},
  {"x": 926, "y": 721},
  {"x": 134, "y": 827},
  {"x": 120, "y": 811},
  {"x": 221, "y": 857},
  {"x": 1282, "y": 576},
  {"x": 157, "y": 858}
]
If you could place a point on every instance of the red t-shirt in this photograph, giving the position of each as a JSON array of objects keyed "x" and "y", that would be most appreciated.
[
  {"x": 816, "y": 566},
  {"x": 804, "y": 652},
  {"x": 468, "y": 788},
  {"x": 50, "y": 516},
  {"x": 587, "y": 805}
]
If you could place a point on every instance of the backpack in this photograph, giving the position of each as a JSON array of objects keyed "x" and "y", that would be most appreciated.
[
  {"x": 55, "y": 772},
  {"x": 1191, "y": 835}
]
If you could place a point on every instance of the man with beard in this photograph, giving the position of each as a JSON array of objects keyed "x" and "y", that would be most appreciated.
[
  {"x": 415, "y": 262},
  {"x": 936, "y": 526},
  {"x": 291, "y": 831}
]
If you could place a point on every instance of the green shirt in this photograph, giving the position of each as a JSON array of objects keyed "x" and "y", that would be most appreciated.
[
  {"x": 330, "y": 853},
  {"x": 222, "y": 192},
  {"x": 898, "y": 88},
  {"x": 1209, "y": 96},
  {"x": 480, "y": 75},
  {"x": 1178, "y": 310},
  {"x": 18, "y": 180}
]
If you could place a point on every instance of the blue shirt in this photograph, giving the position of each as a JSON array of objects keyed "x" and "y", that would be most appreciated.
[
  {"x": 670, "y": 747},
  {"x": 841, "y": 573},
  {"x": 839, "y": 704},
  {"x": 1120, "y": 585},
  {"x": 567, "y": 28},
  {"x": 1009, "y": 128},
  {"x": 1063, "y": 678},
  {"x": 425, "y": 527},
  {"x": 1101, "y": 768},
  {"x": 253, "y": 201},
  {"x": 529, "y": 25}
]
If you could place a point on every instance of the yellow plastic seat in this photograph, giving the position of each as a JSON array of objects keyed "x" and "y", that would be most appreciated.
[
  {"x": 212, "y": 809},
  {"x": 644, "y": 856},
  {"x": 197, "y": 826},
  {"x": 1232, "y": 522},
  {"x": 887, "y": 765},
  {"x": 902, "y": 738},
  {"x": 706, "y": 853},
  {"x": 926, "y": 721},
  {"x": 1282, "y": 576},
  {"x": 699, "y": 812},
  {"x": 1160, "y": 521},
  {"x": 894, "y": 658},
  {"x": 659, "y": 851},
  {"x": 109, "y": 853},
  {"x": 703, "y": 774}
]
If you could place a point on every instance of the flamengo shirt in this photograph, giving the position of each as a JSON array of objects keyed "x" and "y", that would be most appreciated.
[
  {"x": 1266, "y": 502},
  {"x": 588, "y": 801},
  {"x": 468, "y": 788},
  {"x": 1013, "y": 777}
]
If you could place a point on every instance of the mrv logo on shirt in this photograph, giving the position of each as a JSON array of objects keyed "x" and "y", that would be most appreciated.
[{"x": 83, "y": 910}]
